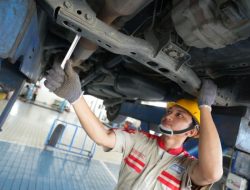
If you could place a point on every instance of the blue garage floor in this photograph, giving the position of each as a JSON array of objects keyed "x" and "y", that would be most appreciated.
[{"x": 28, "y": 168}]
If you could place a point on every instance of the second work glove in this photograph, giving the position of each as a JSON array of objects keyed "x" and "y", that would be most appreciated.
[
  {"x": 64, "y": 83},
  {"x": 208, "y": 93}
]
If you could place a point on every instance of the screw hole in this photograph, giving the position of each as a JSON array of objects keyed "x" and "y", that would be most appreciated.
[
  {"x": 184, "y": 82},
  {"x": 133, "y": 53},
  {"x": 79, "y": 30},
  {"x": 66, "y": 22},
  {"x": 79, "y": 12},
  {"x": 152, "y": 64},
  {"x": 164, "y": 70},
  {"x": 108, "y": 45},
  {"x": 99, "y": 41}
]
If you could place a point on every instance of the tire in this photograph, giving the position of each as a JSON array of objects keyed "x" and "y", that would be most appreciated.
[{"x": 56, "y": 135}]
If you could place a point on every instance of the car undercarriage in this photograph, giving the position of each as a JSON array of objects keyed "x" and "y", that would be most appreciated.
[{"x": 142, "y": 50}]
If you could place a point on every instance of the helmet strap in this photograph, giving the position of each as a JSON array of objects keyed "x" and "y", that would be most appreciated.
[{"x": 177, "y": 132}]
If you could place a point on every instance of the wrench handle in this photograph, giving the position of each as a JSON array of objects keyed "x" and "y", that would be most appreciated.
[{"x": 71, "y": 50}]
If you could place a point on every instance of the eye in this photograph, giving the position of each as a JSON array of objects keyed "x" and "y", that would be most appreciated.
[
  {"x": 168, "y": 112},
  {"x": 179, "y": 115}
]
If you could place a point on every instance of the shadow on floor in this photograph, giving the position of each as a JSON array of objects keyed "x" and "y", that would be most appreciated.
[{"x": 23, "y": 167}]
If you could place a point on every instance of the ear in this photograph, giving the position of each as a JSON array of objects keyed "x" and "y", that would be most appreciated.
[{"x": 191, "y": 133}]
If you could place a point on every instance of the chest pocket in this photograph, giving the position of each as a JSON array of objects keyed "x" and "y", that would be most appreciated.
[
  {"x": 171, "y": 177},
  {"x": 135, "y": 162}
]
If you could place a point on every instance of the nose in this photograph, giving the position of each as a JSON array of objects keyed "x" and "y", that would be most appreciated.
[{"x": 169, "y": 116}]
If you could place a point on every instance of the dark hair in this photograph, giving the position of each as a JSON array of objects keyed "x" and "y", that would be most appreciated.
[{"x": 194, "y": 123}]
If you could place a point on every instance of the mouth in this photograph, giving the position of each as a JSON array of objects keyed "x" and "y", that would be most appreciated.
[
  {"x": 166, "y": 124},
  {"x": 165, "y": 130}
]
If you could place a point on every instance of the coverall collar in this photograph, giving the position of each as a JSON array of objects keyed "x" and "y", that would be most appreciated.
[{"x": 173, "y": 151}]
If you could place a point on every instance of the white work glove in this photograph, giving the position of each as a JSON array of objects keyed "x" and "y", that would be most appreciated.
[
  {"x": 64, "y": 83},
  {"x": 207, "y": 94}
]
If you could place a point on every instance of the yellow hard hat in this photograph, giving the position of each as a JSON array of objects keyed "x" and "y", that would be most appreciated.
[{"x": 189, "y": 105}]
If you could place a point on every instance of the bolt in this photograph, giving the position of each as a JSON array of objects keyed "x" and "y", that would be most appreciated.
[
  {"x": 87, "y": 17},
  {"x": 165, "y": 50},
  {"x": 173, "y": 54},
  {"x": 67, "y": 4}
]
